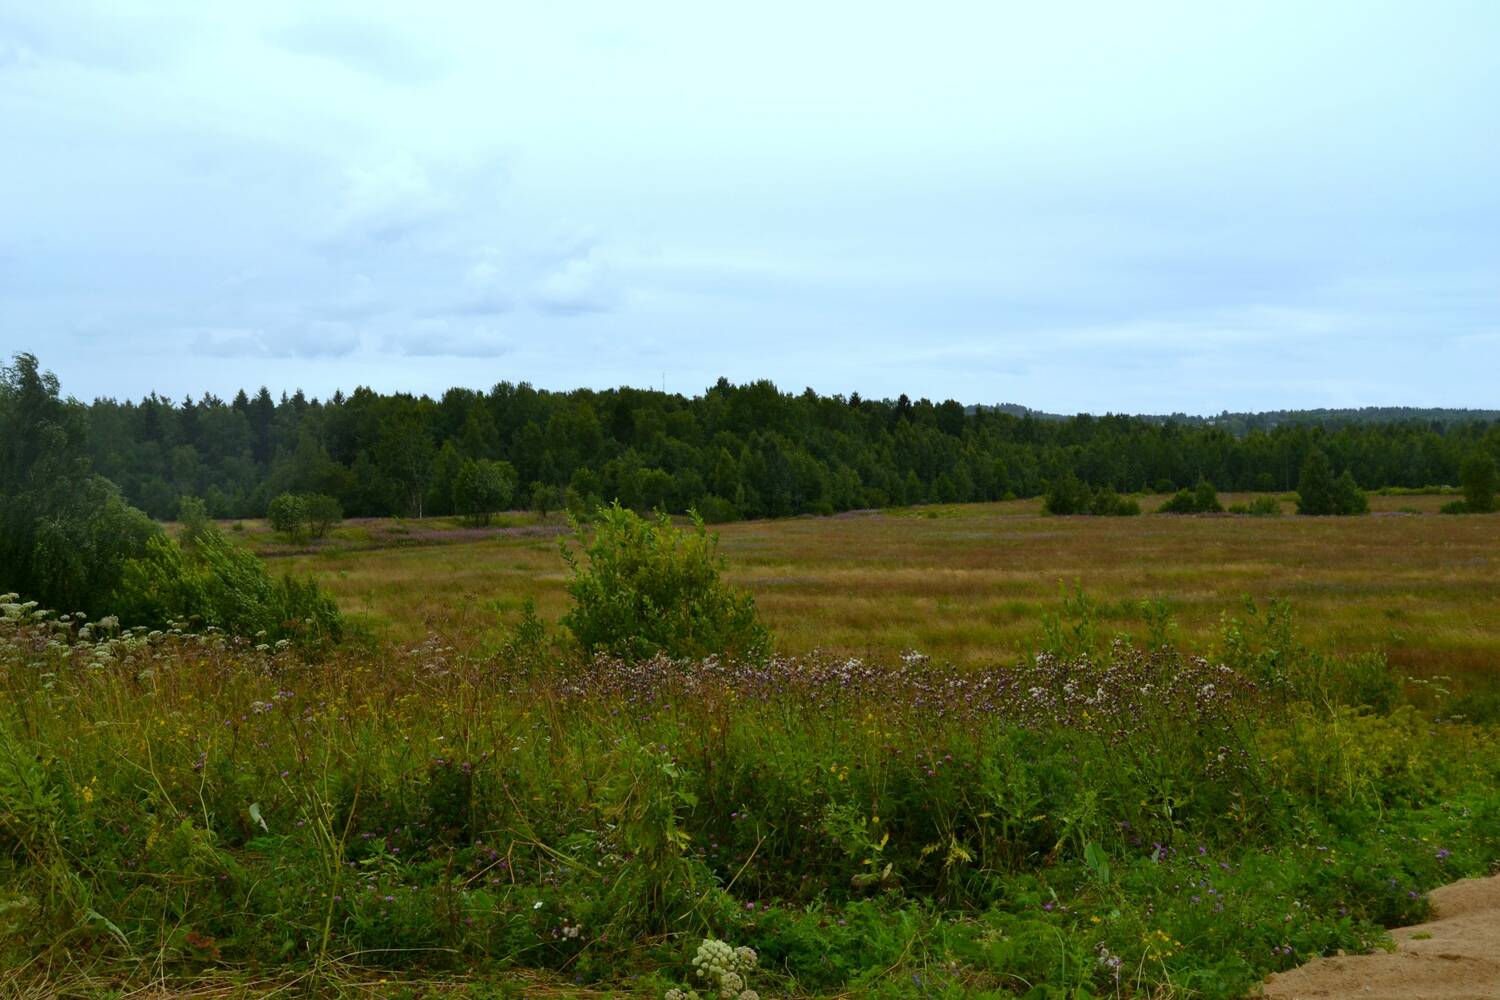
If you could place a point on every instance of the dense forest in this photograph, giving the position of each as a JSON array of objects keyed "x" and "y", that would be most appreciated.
[{"x": 736, "y": 451}]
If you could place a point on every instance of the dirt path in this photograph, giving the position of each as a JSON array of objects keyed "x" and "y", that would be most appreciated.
[{"x": 1456, "y": 956}]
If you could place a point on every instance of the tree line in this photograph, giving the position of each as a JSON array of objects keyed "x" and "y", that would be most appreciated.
[{"x": 735, "y": 451}]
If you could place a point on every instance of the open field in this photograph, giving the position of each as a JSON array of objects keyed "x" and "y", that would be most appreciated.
[
  {"x": 457, "y": 816},
  {"x": 970, "y": 583}
]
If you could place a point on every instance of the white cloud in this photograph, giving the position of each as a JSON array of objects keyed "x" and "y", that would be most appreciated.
[{"x": 583, "y": 283}]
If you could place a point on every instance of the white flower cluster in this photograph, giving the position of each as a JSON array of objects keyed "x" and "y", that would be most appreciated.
[{"x": 724, "y": 969}]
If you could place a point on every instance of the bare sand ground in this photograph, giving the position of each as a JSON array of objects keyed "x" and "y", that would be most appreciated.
[{"x": 1455, "y": 956}]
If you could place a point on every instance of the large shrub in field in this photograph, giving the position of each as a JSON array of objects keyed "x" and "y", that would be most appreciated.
[
  {"x": 648, "y": 587},
  {"x": 481, "y": 488},
  {"x": 1319, "y": 493},
  {"x": 1480, "y": 481},
  {"x": 1201, "y": 499}
]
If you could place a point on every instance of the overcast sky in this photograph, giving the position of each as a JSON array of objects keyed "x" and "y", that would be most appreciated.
[{"x": 1075, "y": 206}]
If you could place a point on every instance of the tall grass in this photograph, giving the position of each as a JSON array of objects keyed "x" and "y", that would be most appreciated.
[{"x": 1100, "y": 819}]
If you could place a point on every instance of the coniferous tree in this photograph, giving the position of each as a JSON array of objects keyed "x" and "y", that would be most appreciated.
[
  {"x": 1315, "y": 491},
  {"x": 1480, "y": 480}
]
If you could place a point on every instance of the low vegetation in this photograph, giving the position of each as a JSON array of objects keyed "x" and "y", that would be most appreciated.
[{"x": 1110, "y": 818}]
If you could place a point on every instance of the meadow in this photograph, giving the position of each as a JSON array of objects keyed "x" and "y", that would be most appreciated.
[
  {"x": 971, "y": 583},
  {"x": 1141, "y": 787}
]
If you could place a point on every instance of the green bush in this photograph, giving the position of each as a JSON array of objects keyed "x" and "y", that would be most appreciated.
[
  {"x": 1107, "y": 503},
  {"x": 287, "y": 514},
  {"x": 1320, "y": 494},
  {"x": 300, "y": 516},
  {"x": 1067, "y": 494},
  {"x": 650, "y": 588},
  {"x": 1264, "y": 507},
  {"x": 1201, "y": 499},
  {"x": 323, "y": 513},
  {"x": 1480, "y": 481},
  {"x": 483, "y": 487},
  {"x": 208, "y": 581}
]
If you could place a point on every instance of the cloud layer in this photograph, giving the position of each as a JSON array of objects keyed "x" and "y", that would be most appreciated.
[{"x": 1160, "y": 207}]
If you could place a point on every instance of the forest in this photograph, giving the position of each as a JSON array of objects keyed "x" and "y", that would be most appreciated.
[{"x": 734, "y": 452}]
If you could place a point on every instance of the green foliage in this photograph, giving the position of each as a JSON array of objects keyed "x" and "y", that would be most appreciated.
[
  {"x": 64, "y": 532},
  {"x": 1319, "y": 493},
  {"x": 1201, "y": 499},
  {"x": 67, "y": 537},
  {"x": 734, "y": 452},
  {"x": 323, "y": 513},
  {"x": 1264, "y": 507},
  {"x": 545, "y": 498},
  {"x": 526, "y": 828},
  {"x": 481, "y": 488},
  {"x": 1107, "y": 503},
  {"x": 301, "y": 516},
  {"x": 1480, "y": 480},
  {"x": 648, "y": 587},
  {"x": 1348, "y": 498},
  {"x": 209, "y": 581},
  {"x": 287, "y": 514},
  {"x": 1067, "y": 494}
]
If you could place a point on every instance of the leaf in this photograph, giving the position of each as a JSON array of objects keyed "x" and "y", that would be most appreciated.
[
  {"x": 111, "y": 927},
  {"x": 1098, "y": 862},
  {"x": 257, "y": 817}
]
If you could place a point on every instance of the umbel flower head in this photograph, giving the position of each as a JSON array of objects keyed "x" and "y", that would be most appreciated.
[{"x": 723, "y": 969}]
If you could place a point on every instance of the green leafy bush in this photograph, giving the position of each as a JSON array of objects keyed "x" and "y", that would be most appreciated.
[
  {"x": 481, "y": 488},
  {"x": 1320, "y": 494},
  {"x": 648, "y": 587},
  {"x": 300, "y": 516},
  {"x": 323, "y": 513},
  {"x": 1480, "y": 481},
  {"x": 1201, "y": 499},
  {"x": 1264, "y": 507},
  {"x": 208, "y": 581},
  {"x": 1067, "y": 494},
  {"x": 287, "y": 514}
]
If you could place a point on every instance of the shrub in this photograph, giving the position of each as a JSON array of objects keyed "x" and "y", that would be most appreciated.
[
  {"x": 300, "y": 516},
  {"x": 323, "y": 512},
  {"x": 1480, "y": 480},
  {"x": 1201, "y": 499},
  {"x": 544, "y": 498},
  {"x": 481, "y": 488},
  {"x": 1066, "y": 494},
  {"x": 208, "y": 581},
  {"x": 1264, "y": 507},
  {"x": 1107, "y": 503},
  {"x": 287, "y": 514},
  {"x": 1319, "y": 493},
  {"x": 651, "y": 588}
]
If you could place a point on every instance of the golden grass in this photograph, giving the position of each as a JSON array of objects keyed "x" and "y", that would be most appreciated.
[{"x": 970, "y": 583}]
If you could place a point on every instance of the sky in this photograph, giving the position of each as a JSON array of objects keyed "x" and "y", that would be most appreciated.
[{"x": 1076, "y": 206}]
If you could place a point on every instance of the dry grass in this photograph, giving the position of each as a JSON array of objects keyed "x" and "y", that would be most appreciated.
[{"x": 969, "y": 583}]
